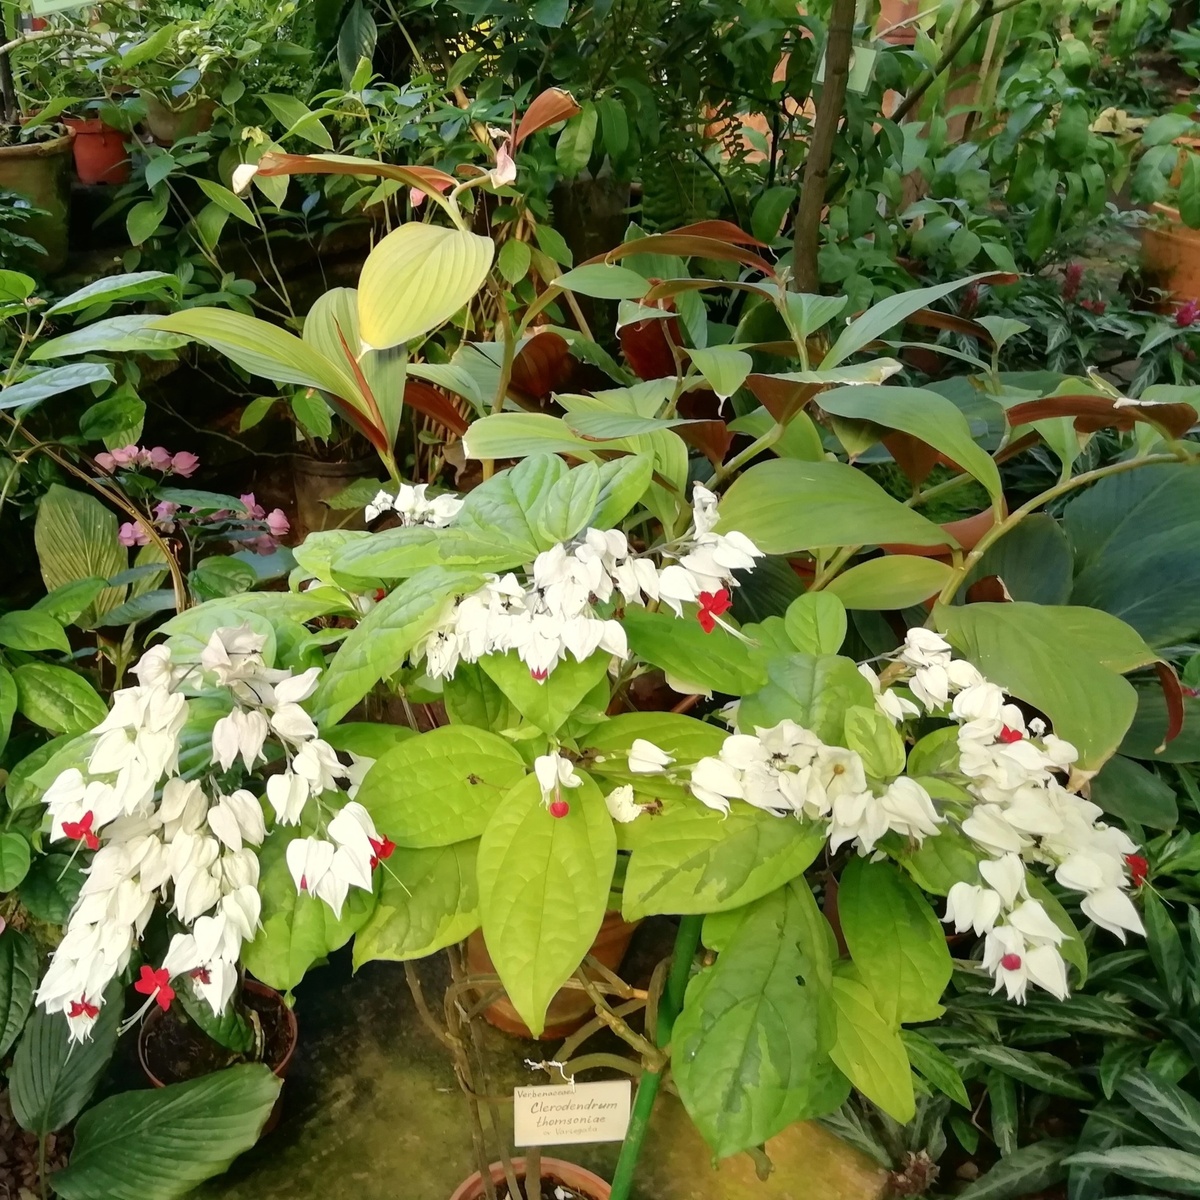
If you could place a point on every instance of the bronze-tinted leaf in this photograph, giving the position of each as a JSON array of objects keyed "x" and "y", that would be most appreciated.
[
  {"x": 552, "y": 106},
  {"x": 428, "y": 179},
  {"x": 1093, "y": 412},
  {"x": 432, "y": 402},
  {"x": 686, "y": 246},
  {"x": 722, "y": 231},
  {"x": 1173, "y": 694},
  {"x": 782, "y": 398},
  {"x": 543, "y": 365}
]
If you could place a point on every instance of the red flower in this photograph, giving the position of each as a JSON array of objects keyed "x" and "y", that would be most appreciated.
[
  {"x": 382, "y": 848},
  {"x": 1139, "y": 868},
  {"x": 559, "y": 808},
  {"x": 157, "y": 984},
  {"x": 81, "y": 831},
  {"x": 1096, "y": 307},
  {"x": 712, "y": 605},
  {"x": 81, "y": 1008},
  {"x": 539, "y": 675},
  {"x": 1187, "y": 314},
  {"x": 201, "y": 975},
  {"x": 970, "y": 301},
  {"x": 1008, "y": 736},
  {"x": 1072, "y": 278},
  {"x": 1011, "y": 962}
]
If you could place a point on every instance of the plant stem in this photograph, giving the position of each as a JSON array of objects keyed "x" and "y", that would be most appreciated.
[
  {"x": 738, "y": 461},
  {"x": 42, "y": 1166},
  {"x": 687, "y": 940},
  {"x": 533, "y": 1173}
]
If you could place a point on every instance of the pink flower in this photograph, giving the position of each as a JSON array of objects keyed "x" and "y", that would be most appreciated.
[
  {"x": 158, "y": 459},
  {"x": 1187, "y": 314},
  {"x": 277, "y": 522},
  {"x": 131, "y": 535},
  {"x": 126, "y": 456},
  {"x": 505, "y": 170},
  {"x": 184, "y": 463},
  {"x": 416, "y": 197},
  {"x": 263, "y": 545},
  {"x": 164, "y": 513},
  {"x": 256, "y": 510},
  {"x": 106, "y": 462}
]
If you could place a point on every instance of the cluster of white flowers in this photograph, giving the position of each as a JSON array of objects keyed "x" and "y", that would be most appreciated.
[
  {"x": 413, "y": 507},
  {"x": 553, "y": 612},
  {"x": 156, "y": 834}
]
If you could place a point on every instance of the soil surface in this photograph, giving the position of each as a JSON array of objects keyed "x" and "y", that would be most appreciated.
[
  {"x": 177, "y": 1049},
  {"x": 19, "y": 1156},
  {"x": 550, "y": 1191}
]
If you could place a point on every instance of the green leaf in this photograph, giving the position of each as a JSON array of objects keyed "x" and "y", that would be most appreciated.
[
  {"x": 229, "y": 1028},
  {"x": 893, "y": 581},
  {"x": 440, "y": 787},
  {"x": 574, "y": 146},
  {"x": 723, "y": 367},
  {"x": 113, "y": 288},
  {"x": 134, "y": 331},
  {"x": 52, "y": 1078},
  {"x": 747, "y": 1051},
  {"x": 298, "y": 119},
  {"x": 367, "y": 739},
  {"x": 1025, "y": 1172},
  {"x": 623, "y": 482},
  {"x": 18, "y": 978},
  {"x": 1065, "y": 661},
  {"x": 813, "y": 690},
  {"x": 76, "y": 538},
  {"x": 297, "y": 930},
  {"x": 684, "y": 738},
  {"x": 940, "y": 862},
  {"x": 32, "y": 630},
  {"x": 51, "y": 888},
  {"x": 428, "y": 900},
  {"x": 922, "y": 414},
  {"x": 462, "y": 67},
  {"x": 144, "y": 218},
  {"x": 68, "y": 601},
  {"x": 874, "y": 738},
  {"x": 786, "y": 505},
  {"x": 14, "y": 860},
  {"x": 223, "y": 198},
  {"x": 1168, "y": 1107},
  {"x": 1044, "y": 1072},
  {"x": 255, "y": 411},
  {"x": 604, "y": 281},
  {"x": 896, "y": 941},
  {"x": 869, "y": 1052},
  {"x": 935, "y": 1066},
  {"x": 356, "y": 41},
  {"x": 692, "y": 859},
  {"x": 1002, "y": 1097},
  {"x": 567, "y": 504},
  {"x": 116, "y": 421},
  {"x": 57, "y": 699},
  {"x": 1130, "y": 792},
  {"x": 1033, "y": 561},
  {"x": 543, "y": 890},
  {"x": 714, "y": 661},
  {"x": 159, "y": 1144},
  {"x": 1165, "y": 946},
  {"x": 513, "y": 260},
  {"x": 550, "y": 703},
  {"x": 816, "y": 623},
  {"x": 15, "y": 287},
  {"x": 1156, "y": 1166},
  {"x": 53, "y": 381}
]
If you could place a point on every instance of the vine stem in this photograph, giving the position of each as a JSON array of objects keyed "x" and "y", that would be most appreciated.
[{"x": 687, "y": 941}]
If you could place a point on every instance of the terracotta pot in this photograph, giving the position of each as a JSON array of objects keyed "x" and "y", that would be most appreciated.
[
  {"x": 41, "y": 172},
  {"x": 167, "y": 125},
  {"x": 317, "y": 481},
  {"x": 570, "y": 1008},
  {"x": 279, "y": 1070},
  {"x": 553, "y": 1171},
  {"x": 100, "y": 154},
  {"x": 893, "y": 12},
  {"x": 1171, "y": 254}
]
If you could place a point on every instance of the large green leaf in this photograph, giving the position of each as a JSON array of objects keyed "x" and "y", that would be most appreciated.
[
  {"x": 1129, "y": 791},
  {"x": 53, "y": 381},
  {"x": 58, "y": 699},
  {"x": 377, "y": 647},
  {"x": 1033, "y": 561},
  {"x": 684, "y": 738},
  {"x": 715, "y": 661},
  {"x": 32, "y": 630},
  {"x": 1170, "y": 1108},
  {"x": 440, "y": 787},
  {"x": 297, "y": 930},
  {"x": 543, "y": 890},
  {"x": 868, "y": 1050},
  {"x": 550, "y": 703},
  {"x": 516, "y": 435},
  {"x": 18, "y": 978},
  {"x": 1134, "y": 537},
  {"x": 428, "y": 900},
  {"x": 813, "y": 690},
  {"x": 1065, "y": 661},
  {"x": 924, "y": 415},
  {"x": 76, "y": 538},
  {"x": 748, "y": 1052},
  {"x": 1045, "y": 1072},
  {"x": 52, "y": 1078},
  {"x": 159, "y": 1144},
  {"x": 112, "y": 288},
  {"x": 14, "y": 860},
  {"x": 133, "y": 331},
  {"x": 1155, "y": 1166},
  {"x": 1025, "y": 1172},
  {"x": 416, "y": 278},
  {"x": 692, "y": 859},
  {"x": 897, "y": 942},
  {"x": 785, "y": 506},
  {"x": 893, "y": 581}
]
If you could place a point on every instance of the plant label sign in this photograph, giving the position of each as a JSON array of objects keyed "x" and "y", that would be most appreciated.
[{"x": 557, "y": 1115}]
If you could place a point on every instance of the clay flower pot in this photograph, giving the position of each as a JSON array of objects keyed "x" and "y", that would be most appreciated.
[
  {"x": 316, "y": 481},
  {"x": 553, "y": 1171},
  {"x": 41, "y": 172},
  {"x": 1171, "y": 254},
  {"x": 168, "y": 124},
  {"x": 570, "y": 1008},
  {"x": 100, "y": 155},
  {"x": 279, "y": 1069}
]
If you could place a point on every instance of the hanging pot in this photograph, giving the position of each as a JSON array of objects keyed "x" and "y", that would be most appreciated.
[
  {"x": 41, "y": 172},
  {"x": 554, "y": 1170},
  {"x": 100, "y": 154}
]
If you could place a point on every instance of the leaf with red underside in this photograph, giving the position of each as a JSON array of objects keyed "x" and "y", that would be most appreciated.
[
  {"x": 941, "y": 320},
  {"x": 914, "y": 457},
  {"x": 428, "y": 400},
  {"x": 722, "y": 231},
  {"x": 1173, "y": 694},
  {"x": 672, "y": 287},
  {"x": 428, "y": 179},
  {"x": 782, "y": 398},
  {"x": 711, "y": 438},
  {"x": 686, "y": 246},
  {"x": 646, "y": 347},
  {"x": 1092, "y": 412},
  {"x": 552, "y": 106},
  {"x": 543, "y": 365},
  {"x": 988, "y": 590}
]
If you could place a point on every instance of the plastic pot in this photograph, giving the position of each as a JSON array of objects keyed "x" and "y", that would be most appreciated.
[
  {"x": 279, "y": 1069},
  {"x": 167, "y": 125},
  {"x": 553, "y": 1171},
  {"x": 100, "y": 154},
  {"x": 1171, "y": 254},
  {"x": 571, "y": 1008},
  {"x": 41, "y": 172}
]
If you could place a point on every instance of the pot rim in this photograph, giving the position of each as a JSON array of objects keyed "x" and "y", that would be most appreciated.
[
  {"x": 557, "y": 1169},
  {"x": 250, "y": 985},
  {"x": 90, "y": 126},
  {"x": 50, "y": 149},
  {"x": 325, "y": 466}
]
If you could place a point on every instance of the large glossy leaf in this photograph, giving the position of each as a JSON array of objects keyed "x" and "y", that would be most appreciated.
[
  {"x": 1145, "y": 737},
  {"x": 893, "y": 581},
  {"x": 428, "y": 900},
  {"x": 1155, "y": 1166},
  {"x": 18, "y": 978},
  {"x": 133, "y": 331},
  {"x": 785, "y": 506},
  {"x": 868, "y": 1050},
  {"x": 159, "y": 1144},
  {"x": 897, "y": 942},
  {"x": 550, "y": 703},
  {"x": 440, "y": 787},
  {"x": 515, "y": 435},
  {"x": 52, "y": 1078},
  {"x": 692, "y": 859},
  {"x": 76, "y": 538},
  {"x": 1025, "y": 1172},
  {"x": 53, "y": 381},
  {"x": 111, "y": 289},
  {"x": 1066, "y": 661},
  {"x": 715, "y": 661},
  {"x": 1033, "y": 561},
  {"x": 1130, "y": 792},
  {"x": 924, "y": 415},
  {"x": 57, "y": 699},
  {"x": 748, "y": 1052},
  {"x": 1045, "y": 1072},
  {"x": 416, "y": 278},
  {"x": 813, "y": 690},
  {"x": 543, "y": 890}
]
